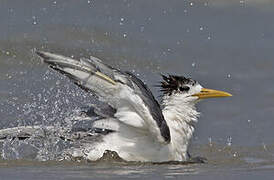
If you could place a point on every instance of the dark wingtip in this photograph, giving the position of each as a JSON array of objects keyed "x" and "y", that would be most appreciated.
[{"x": 41, "y": 54}]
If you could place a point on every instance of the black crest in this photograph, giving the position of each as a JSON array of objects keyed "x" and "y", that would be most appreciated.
[{"x": 173, "y": 83}]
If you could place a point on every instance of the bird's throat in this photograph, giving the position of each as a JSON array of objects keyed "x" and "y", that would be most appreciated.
[{"x": 181, "y": 120}]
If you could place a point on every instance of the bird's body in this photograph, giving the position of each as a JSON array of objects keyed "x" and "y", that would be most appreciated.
[
  {"x": 134, "y": 144},
  {"x": 138, "y": 127}
]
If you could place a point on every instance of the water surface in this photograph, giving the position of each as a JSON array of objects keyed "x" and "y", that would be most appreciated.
[{"x": 226, "y": 45}]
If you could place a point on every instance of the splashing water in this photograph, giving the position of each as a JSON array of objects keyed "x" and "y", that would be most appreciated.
[{"x": 44, "y": 128}]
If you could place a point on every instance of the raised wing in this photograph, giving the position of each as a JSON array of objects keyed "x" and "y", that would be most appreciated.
[{"x": 132, "y": 101}]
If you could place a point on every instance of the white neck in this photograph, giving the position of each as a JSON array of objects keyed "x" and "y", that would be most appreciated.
[{"x": 180, "y": 115}]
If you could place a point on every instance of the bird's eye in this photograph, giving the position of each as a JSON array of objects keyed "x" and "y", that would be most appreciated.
[{"x": 184, "y": 88}]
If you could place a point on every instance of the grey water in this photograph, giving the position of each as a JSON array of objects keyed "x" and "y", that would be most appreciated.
[{"x": 225, "y": 45}]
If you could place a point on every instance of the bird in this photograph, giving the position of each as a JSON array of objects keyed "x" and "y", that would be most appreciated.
[{"x": 136, "y": 126}]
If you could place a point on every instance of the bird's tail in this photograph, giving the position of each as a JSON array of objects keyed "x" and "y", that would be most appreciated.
[{"x": 90, "y": 74}]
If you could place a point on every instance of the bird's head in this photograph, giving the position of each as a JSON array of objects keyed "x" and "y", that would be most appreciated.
[{"x": 187, "y": 89}]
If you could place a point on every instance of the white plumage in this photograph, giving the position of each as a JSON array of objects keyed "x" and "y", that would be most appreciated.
[{"x": 139, "y": 129}]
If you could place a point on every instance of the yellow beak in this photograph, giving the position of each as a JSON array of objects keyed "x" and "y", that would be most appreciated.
[{"x": 211, "y": 93}]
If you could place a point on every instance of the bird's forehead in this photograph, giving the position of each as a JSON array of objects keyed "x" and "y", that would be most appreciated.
[{"x": 186, "y": 81}]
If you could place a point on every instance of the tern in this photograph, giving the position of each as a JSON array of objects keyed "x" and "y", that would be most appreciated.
[{"x": 135, "y": 124}]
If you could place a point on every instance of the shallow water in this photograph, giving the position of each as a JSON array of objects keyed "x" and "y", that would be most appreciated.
[
  {"x": 221, "y": 165},
  {"x": 226, "y": 45}
]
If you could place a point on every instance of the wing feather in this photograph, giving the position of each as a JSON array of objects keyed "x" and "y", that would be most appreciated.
[{"x": 133, "y": 102}]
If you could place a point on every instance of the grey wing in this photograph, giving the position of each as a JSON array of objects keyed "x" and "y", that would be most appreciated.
[
  {"x": 151, "y": 103},
  {"x": 132, "y": 101}
]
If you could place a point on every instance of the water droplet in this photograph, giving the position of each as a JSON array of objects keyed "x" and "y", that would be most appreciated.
[
  {"x": 193, "y": 64},
  {"x": 121, "y": 21},
  {"x": 228, "y": 75},
  {"x": 229, "y": 141},
  {"x": 191, "y": 4},
  {"x": 209, "y": 38},
  {"x": 201, "y": 28},
  {"x": 264, "y": 146},
  {"x": 142, "y": 28},
  {"x": 248, "y": 120},
  {"x": 58, "y": 82},
  {"x": 124, "y": 35},
  {"x": 210, "y": 141}
]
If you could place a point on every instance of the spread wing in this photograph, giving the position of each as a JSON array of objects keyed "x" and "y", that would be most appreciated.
[{"x": 132, "y": 102}]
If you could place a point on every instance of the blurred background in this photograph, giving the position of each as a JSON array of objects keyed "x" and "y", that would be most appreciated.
[{"x": 225, "y": 45}]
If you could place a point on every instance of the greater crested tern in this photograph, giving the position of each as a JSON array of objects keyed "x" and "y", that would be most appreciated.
[{"x": 138, "y": 127}]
